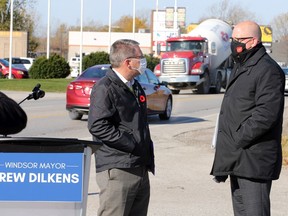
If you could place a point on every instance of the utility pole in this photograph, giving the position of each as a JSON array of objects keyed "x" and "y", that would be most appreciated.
[
  {"x": 175, "y": 19},
  {"x": 48, "y": 30}
]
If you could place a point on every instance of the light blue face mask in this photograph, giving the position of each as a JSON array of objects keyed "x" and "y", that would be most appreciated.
[{"x": 142, "y": 66}]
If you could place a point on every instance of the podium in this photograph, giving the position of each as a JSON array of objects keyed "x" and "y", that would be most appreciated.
[{"x": 44, "y": 176}]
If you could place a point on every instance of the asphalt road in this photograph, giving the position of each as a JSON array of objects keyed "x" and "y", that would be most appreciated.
[{"x": 182, "y": 185}]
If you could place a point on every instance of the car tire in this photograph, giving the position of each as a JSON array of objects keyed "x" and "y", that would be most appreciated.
[
  {"x": 74, "y": 115},
  {"x": 7, "y": 76},
  {"x": 168, "y": 110},
  {"x": 175, "y": 91}
]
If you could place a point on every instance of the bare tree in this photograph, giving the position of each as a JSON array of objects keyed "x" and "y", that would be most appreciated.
[
  {"x": 280, "y": 38},
  {"x": 232, "y": 13},
  {"x": 89, "y": 25},
  {"x": 279, "y": 26}
]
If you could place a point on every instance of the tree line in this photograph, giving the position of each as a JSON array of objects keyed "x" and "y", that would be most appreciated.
[{"x": 26, "y": 19}]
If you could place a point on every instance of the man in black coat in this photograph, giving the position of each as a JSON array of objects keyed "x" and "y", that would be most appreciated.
[
  {"x": 248, "y": 143},
  {"x": 13, "y": 118},
  {"x": 118, "y": 118}
]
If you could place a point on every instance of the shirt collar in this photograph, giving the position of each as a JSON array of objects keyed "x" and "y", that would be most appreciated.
[{"x": 128, "y": 83}]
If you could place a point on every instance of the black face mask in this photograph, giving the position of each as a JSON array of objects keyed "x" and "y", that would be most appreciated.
[
  {"x": 239, "y": 51},
  {"x": 237, "y": 48}
]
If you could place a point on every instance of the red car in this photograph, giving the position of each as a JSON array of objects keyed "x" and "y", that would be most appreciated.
[
  {"x": 17, "y": 73},
  {"x": 159, "y": 97}
]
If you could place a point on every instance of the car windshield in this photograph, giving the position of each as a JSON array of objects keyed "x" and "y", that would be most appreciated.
[
  {"x": 4, "y": 62},
  {"x": 95, "y": 72}
]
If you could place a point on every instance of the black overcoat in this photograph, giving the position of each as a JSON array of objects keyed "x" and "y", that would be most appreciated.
[
  {"x": 13, "y": 118},
  {"x": 250, "y": 121}
]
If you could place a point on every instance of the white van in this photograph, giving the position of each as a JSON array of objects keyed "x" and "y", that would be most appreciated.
[
  {"x": 74, "y": 62},
  {"x": 21, "y": 62}
]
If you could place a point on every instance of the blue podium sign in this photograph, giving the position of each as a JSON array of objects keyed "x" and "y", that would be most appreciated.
[{"x": 52, "y": 177}]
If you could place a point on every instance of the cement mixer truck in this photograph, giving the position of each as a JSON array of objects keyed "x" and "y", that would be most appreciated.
[{"x": 199, "y": 61}]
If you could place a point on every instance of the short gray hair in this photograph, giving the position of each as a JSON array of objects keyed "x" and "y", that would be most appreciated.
[{"x": 121, "y": 50}]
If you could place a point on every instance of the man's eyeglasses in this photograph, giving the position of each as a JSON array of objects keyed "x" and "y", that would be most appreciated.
[
  {"x": 240, "y": 39},
  {"x": 135, "y": 57}
]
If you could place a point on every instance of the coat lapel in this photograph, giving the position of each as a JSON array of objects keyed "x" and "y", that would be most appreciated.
[{"x": 247, "y": 67}]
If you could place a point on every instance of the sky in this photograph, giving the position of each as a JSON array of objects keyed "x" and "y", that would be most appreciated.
[{"x": 68, "y": 11}]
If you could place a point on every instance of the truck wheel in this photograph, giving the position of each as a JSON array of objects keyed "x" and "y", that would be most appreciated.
[
  {"x": 204, "y": 87},
  {"x": 175, "y": 91},
  {"x": 74, "y": 115},
  {"x": 217, "y": 88},
  {"x": 168, "y": 110}
]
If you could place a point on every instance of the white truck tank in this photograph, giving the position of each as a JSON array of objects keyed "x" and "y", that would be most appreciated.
[{"x": 218, "y": 34}]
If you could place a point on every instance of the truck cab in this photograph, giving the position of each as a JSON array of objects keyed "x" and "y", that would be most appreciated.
[
  {"x": 183, "y": 63},
  {"x": 195, "y": 45},
  {"x": 197, "y": 61}
]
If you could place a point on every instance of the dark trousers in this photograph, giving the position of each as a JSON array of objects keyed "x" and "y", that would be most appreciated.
[
  {"x": 123, "y": 192},
  {"x": 250, "y": 197}
]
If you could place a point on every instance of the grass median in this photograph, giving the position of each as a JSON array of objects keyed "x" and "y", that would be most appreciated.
[{"x": 48, "y": 85}]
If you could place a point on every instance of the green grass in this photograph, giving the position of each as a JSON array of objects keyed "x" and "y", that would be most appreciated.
[{"x": 48, "y": 85}]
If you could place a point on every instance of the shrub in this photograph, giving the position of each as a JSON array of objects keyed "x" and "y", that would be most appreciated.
[
  {"x": 37, "y": 68},
  {"x": 151, "y": 62},
  {"x": 95, "y": 58},
  {"x": 103, "y": 58},
  {"x": 54, "y": 67}
]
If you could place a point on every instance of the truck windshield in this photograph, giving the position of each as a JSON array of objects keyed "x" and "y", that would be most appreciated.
[{"x": 195, "y": 46}]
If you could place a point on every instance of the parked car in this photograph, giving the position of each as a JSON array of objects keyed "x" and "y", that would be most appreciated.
[
  {"x": 285, "y": 69},
  {"x": 21, "y": 62},
  {"x": 17, "y": 73},
  {"x": 159, "y": 97}
]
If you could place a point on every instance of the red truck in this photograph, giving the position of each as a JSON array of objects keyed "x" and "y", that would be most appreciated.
[{"x": 199, "y": 61}]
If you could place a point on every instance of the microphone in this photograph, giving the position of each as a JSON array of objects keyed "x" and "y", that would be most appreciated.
[{"x": 36, "y": 93}]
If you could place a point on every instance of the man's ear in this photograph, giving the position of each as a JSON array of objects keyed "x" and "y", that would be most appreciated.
[
  {"x": 127, "y": 63},
  {"x": 255, "y": 42}
]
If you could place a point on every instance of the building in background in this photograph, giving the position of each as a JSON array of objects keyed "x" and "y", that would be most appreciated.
[
  {"x": 267, "y": 38},
  {"x": 163, "y": 27},
  {"x": 19, "y": 46},
  {"x": 98, "y": 41}
]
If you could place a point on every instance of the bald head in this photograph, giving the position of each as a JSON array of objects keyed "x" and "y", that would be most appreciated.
[{"x": 247, "y": 29}]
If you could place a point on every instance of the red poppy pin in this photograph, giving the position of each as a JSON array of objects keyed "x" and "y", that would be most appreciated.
[{"x": 142, "y": 98}]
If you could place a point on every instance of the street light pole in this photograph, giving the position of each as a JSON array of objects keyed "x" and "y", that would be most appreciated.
[
  {"x": 48, "y": 30},
  {"x": 11, "y": 39},
  {"x": 110, "y": 14},
  {"x": 175, "y": 18},
  {"x": 156, "y": 29},
  {"x": 81, "y": 36},
  {"x": 134, "y": 19}
]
